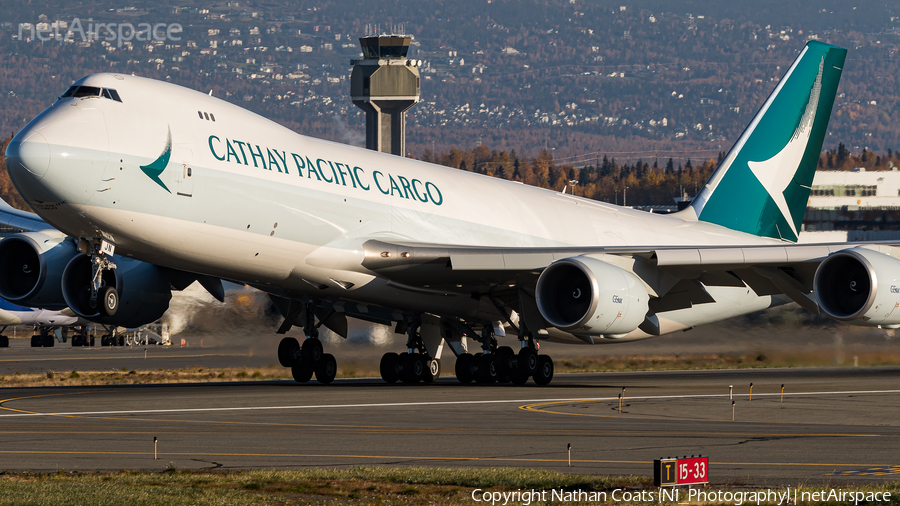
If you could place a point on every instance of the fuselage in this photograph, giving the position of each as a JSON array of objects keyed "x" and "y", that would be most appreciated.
[{"x": 180, "y": 178}]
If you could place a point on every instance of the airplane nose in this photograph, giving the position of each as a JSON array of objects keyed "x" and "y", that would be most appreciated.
[{"x": 31, "y": 154}]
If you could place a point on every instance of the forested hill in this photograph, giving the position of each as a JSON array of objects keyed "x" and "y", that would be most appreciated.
[{"x": 580, "y": 78}]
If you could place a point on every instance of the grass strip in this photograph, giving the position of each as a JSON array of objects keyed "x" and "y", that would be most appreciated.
[{"x": 360, "y": 485}]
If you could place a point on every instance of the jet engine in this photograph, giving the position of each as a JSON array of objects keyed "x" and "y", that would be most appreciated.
[
  {"x": 31, "y": 266},
  {"x": 586, "y": 296},
  {"x": 144, "y": 291},
  {"x": 859, "y": 286}
]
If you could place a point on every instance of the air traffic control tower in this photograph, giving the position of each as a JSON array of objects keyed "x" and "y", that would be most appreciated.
[{"x": 385, "y": 84}]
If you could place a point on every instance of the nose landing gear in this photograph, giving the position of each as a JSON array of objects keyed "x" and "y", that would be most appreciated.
[{"x": 103, "y": 295}]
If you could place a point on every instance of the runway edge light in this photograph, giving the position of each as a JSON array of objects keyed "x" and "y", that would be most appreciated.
[{"x": 673, "y": 472}]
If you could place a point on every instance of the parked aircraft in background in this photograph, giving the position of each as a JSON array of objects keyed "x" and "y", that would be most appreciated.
[
  {"x": 152, "y": 186},
  {"x": 41, "y": 319}
]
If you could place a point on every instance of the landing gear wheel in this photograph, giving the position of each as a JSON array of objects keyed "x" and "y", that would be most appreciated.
[
  {"x": 432, "y": 370},
  {"x": 48, "y": 341},
  {"x": 326, "y": 369},
  {"x": 4, "y": 342},
  {"x": 518, "y": 378},
  {"x": 485, "y": 370},
  {"x": 504, "y": 363},
  {"x": 528, "y": 361},
  {"x": 104, "y": 340},
  {"x": 544, "y": 374},
  {"x": 109, "y": 300},
  {"x": 37, "y": 341},
  {"x": 311, "y": 352},
  {"x": 389, "y": 367},
  {"x": 464, "y": 368},
  {"x": 301, "y": 373},
  {"x": 288, "y": 349},
  {"x": 413, "y": 368}
]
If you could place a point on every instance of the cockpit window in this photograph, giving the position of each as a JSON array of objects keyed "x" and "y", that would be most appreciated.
[
  {"x": 87, "y": 91},
  {"x": 91, "y": 91}
]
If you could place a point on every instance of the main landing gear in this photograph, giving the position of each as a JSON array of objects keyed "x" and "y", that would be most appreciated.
[
  {"x": 499, "y": 364},
  {"x": 309, "y": 358},
  {"x": 417, "y": 365}
]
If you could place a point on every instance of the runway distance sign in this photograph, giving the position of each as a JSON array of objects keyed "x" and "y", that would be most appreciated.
[{"x": 673, "y": 472}]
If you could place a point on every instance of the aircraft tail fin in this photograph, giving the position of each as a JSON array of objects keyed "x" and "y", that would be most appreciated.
[{"x": 762, "y": 185}]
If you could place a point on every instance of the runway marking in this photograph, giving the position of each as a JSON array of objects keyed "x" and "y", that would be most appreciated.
[
  {"x": 32, "y": 397},
  {"x": 408, "y": 457},
  {"x": 871, "y": 471},
  {"x": 415, "y": 404}
]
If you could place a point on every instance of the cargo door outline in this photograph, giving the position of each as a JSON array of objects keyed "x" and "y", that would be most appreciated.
[{"x": 184, "y": 173}]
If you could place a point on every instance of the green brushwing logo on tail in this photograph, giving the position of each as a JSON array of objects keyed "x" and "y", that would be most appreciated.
[
  {"x": 156, "y": 168},
  {"x": 763, "y": 184}
]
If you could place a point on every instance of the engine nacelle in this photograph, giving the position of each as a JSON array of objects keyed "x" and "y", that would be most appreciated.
[
  {"x": 31, "y": 267},
  {"x": 144, "y": 291},
  {"x": 859, "y": 286},
  {"x": 586, "y": 296}
]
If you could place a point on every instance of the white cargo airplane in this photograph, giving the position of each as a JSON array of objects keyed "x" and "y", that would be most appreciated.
[{"x": 154, "y": 185}]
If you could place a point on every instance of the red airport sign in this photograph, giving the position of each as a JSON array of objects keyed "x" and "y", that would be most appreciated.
[{"x": 672, "y": 472}]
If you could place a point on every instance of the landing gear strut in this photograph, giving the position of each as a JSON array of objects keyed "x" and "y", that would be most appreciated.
[
  {"x": 102, "y": 295},
  {"x": 309, "y": 358}
]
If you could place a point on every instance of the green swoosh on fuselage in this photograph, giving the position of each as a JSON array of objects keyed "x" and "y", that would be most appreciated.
[{"x": 155, "y": 169}]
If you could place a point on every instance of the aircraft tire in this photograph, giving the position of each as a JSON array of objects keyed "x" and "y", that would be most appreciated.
[
  {"x": 486, "y": 370},
  {"x": 326, "y": 369},
  {"x": 413, "y": 368},
  {"x": 544, "y": 374},
  {"x": 388, "y": 367},
  {"x": 528, "y": 361},
  {"x": 109, "y": 301},
  {"x": 505, "y": 360},
  {"x": 287, "y": 351},
  {"x": 120, "y": 339},
  {"x": 518, "y": 378},
  {"x": 301, "y": 373},
  {"x": 311, "y": 351},
  {"x": 36, "y": 342},
  {"x": 464, "y": 368},
  {"x": 104, "y": 340},
  {"x": 48, "y": 341},
  {"x": 4, "y": 342},
  {"x": 432, "y": 370}
]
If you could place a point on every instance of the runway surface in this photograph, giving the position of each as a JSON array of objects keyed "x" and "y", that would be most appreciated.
[{"x": 833, "y": 426}]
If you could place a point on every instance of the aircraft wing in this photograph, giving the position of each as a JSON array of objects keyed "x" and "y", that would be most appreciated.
[
  {"x": 668, "y": 272},
  {"x": 24, "y": 220}
]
